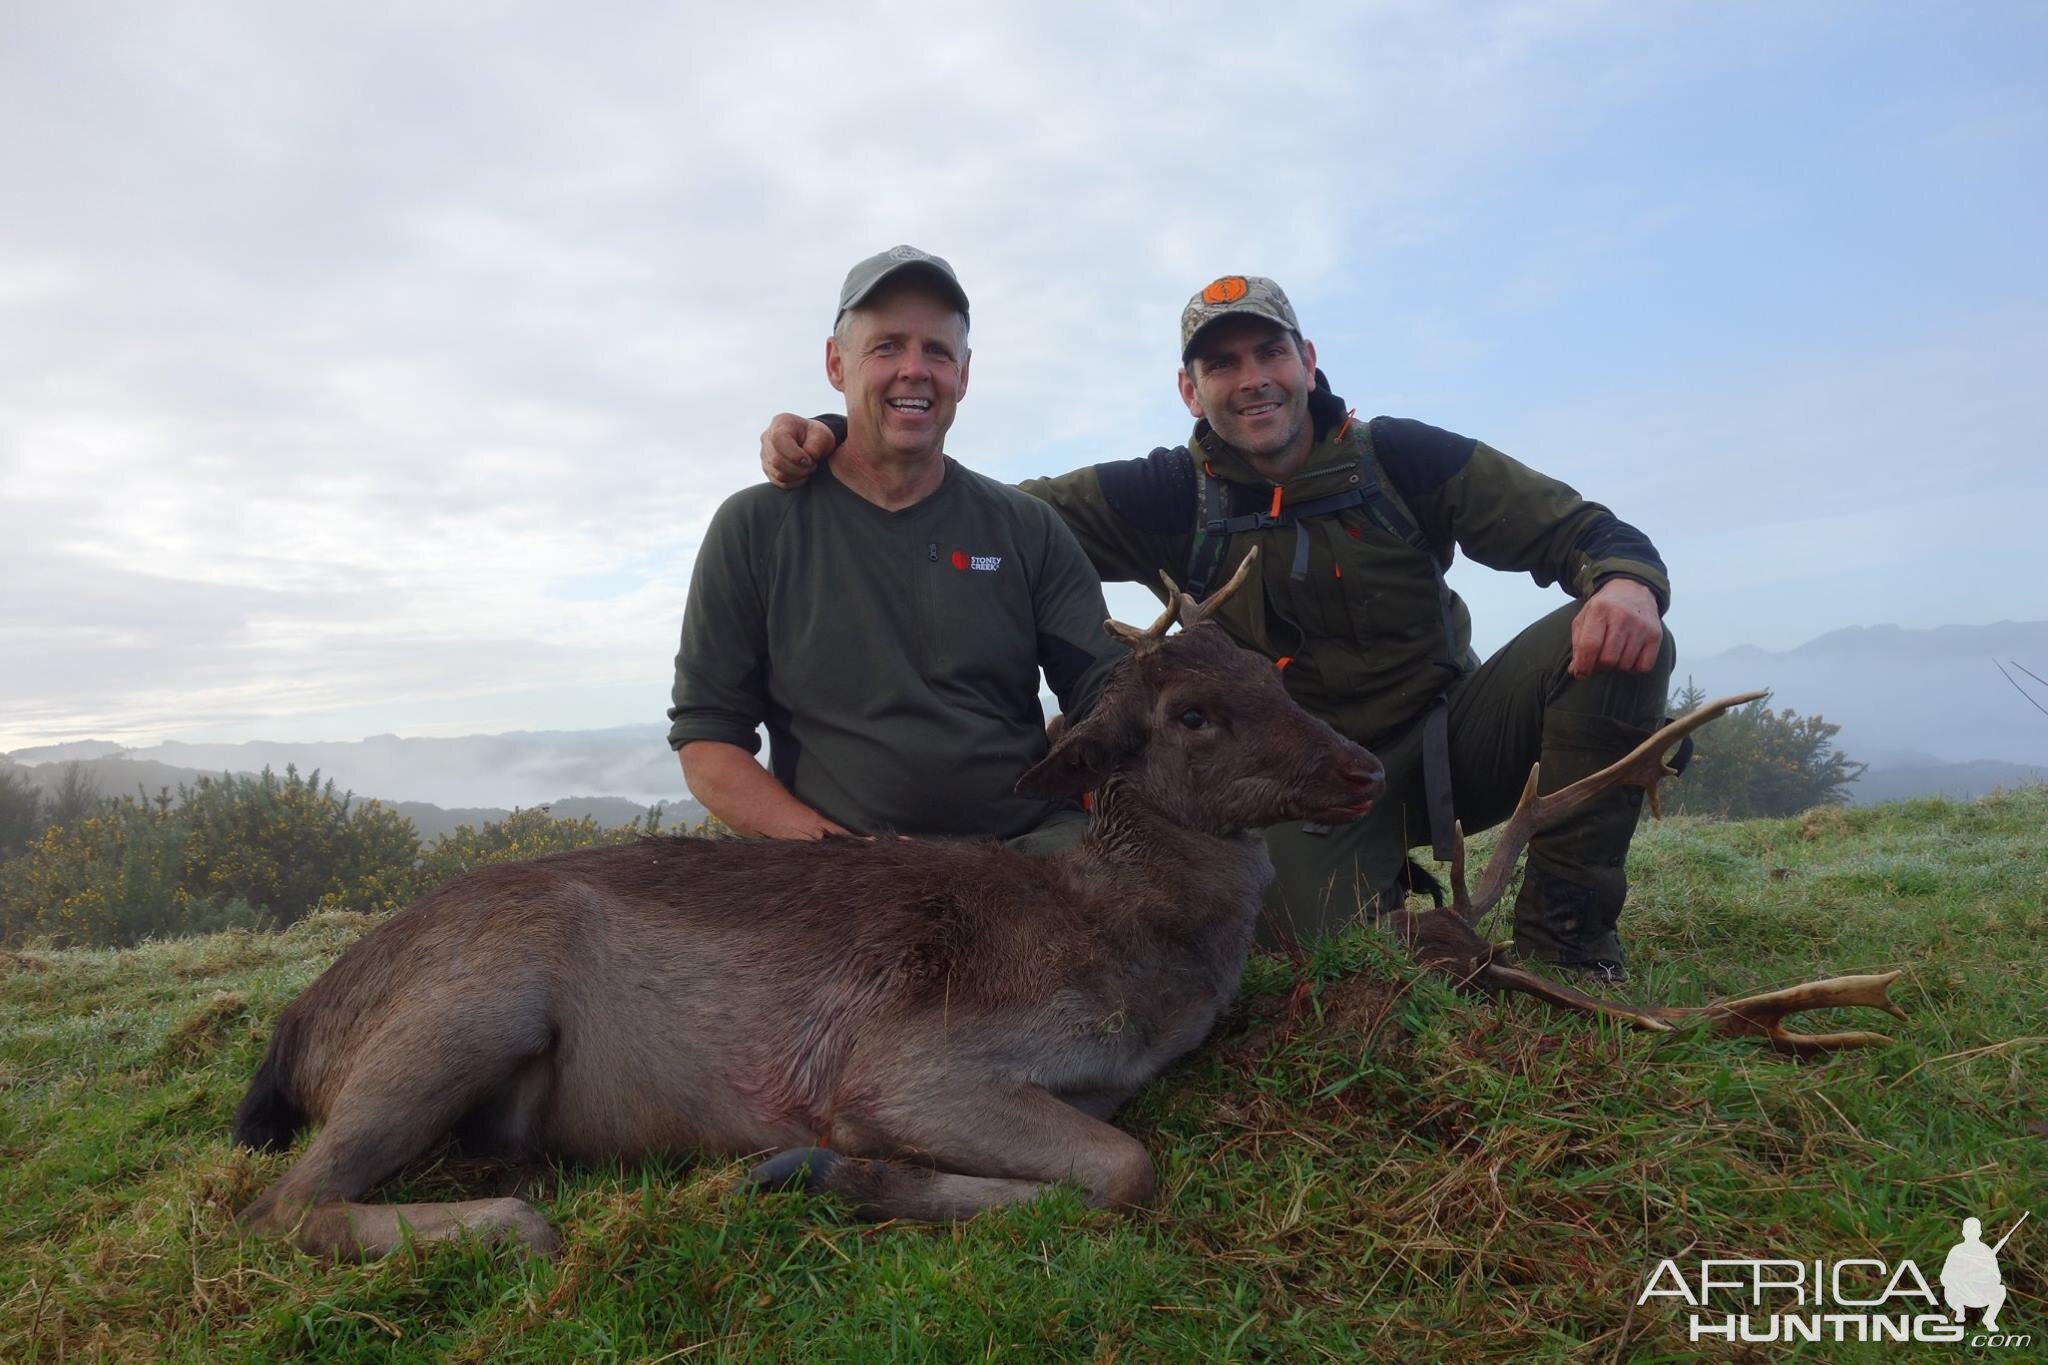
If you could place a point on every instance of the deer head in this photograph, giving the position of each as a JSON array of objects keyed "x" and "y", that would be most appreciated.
[{"x": 1206, "y": 734}]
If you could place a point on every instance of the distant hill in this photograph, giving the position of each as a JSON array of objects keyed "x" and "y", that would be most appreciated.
[
  {"x": 1905, "y": 699},
  {"x": 610, "y": 812},
  {"x": 1926, "y": 709},
  {"x": 522, "y": 768},
  {"x": 1957, "y": 781},
  {"x": 65, "y": 753},
  {"x": 119, "y": 774},
  {"x": 111, "y": 774}
]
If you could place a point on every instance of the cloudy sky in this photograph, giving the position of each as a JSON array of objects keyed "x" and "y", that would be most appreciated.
[{"x": 366, "y": 371}]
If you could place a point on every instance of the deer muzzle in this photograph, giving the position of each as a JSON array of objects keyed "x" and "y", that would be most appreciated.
[{"x": 1354, "y": 781}]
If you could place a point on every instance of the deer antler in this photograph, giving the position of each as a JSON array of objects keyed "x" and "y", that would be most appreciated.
[
  {"x": 1150, "y": 636},
  {"x": 1443, "y": 942},
  {"x": 1182, "y": 608},
  {"x": 1446, "y": 941},
  {"x": 1193, "y": 613},
  {"x": 1642, "y": 767}
]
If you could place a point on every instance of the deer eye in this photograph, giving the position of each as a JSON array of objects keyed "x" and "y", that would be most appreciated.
[{"x": 1193, "y": 718}]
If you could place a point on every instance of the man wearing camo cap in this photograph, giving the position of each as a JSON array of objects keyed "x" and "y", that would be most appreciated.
[
  {"x": 888, "y": 622},
  {"x": 1356, "y": 521}
]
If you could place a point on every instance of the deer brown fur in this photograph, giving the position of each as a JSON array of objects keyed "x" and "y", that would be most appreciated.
[{"x": 926, "y": 1029}]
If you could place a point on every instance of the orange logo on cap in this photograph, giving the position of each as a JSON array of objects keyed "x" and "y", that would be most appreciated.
[{"x": 1229, "y": 289}]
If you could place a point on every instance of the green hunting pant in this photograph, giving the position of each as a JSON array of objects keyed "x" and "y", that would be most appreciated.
[{"x": 1520, "y": 706}]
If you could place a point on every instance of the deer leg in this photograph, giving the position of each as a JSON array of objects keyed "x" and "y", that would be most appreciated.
[
  {"x": 974, "y": 1150},
  {"x": 419, "y": 1077}
]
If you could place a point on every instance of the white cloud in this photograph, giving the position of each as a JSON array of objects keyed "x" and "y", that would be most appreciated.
[{"x": 357, "y": 361}]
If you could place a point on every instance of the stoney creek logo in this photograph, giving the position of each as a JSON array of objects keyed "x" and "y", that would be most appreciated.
[
  {"x": 978, "y": 563},
  {"x": 1858, "y": 1298}
]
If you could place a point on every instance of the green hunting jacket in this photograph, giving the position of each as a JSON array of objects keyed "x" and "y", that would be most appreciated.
[{"x": 1371, "y": 636}]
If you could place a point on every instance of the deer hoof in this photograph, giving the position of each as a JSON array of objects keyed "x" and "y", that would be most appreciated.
[{"x": 797, "y": 1170}]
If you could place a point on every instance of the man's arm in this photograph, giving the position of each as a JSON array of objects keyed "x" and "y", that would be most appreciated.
[
  {"x": 721, "y": 692},
  {"x": 1132, "y": 518},
  {"x": 1074, "y": 650},
  {"x": 727, "y": 781},
  {"x": 1507, "y": 516}
]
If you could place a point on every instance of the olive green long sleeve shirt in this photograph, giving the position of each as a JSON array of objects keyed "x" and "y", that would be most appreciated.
[{"x": 894, "y": 656}]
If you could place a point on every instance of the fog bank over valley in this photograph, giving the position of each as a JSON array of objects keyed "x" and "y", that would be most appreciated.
[{"x": 1928, "y": 710}]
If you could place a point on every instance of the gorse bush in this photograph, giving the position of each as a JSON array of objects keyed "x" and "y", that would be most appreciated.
[
  {"x": 522, "y": 834},
  {"x": 288, "y": 845},
  {"x": 250, "y": 852},
  {"x": 1756, "y": 763},
  {"x": 110, "y": 878}
]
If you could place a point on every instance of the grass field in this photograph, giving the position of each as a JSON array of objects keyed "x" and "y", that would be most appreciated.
[{"x": 1362, "y": 1164}]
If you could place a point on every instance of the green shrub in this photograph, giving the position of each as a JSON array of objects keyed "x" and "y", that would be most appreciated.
[
  {"x": 1755, "y": 762},
  {"x": 253, "y": 852},
  {"x": 522, "y": 834},
  {"x": 21, "y": 811},
  {"x": 228, "y": 852},
  {"x": 108, "y": 878},
  {"x": 289, "y": 845}
]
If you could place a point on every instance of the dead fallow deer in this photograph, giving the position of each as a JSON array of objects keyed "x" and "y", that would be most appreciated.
[
  {"x": 925, "y": 1029},
  {"x": 1447, "y": 938}
]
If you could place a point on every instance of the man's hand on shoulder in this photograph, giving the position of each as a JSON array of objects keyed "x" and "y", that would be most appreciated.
[
  {"x": 791, "y": 448},
  {"x": 1617, "y": 629}
]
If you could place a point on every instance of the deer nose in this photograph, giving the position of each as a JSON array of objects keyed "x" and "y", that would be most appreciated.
[{"x": 1366, "y": 774}]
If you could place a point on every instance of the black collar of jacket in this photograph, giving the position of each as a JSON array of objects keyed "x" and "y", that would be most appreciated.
[{"x": 1326, "y": 414}]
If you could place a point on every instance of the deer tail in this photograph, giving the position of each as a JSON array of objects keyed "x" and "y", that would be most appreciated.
[{"x": 269, "y": 1118}]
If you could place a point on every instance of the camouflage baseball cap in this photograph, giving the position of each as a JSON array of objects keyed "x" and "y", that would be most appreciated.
[
  {"x": 1229, "y": 296},
  {"x": 865, "y": 278}
]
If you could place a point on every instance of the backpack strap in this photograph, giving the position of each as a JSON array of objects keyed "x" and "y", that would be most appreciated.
[
  {"x": 1214, "y": 526},
  {"x": 1212, "y": 531}
]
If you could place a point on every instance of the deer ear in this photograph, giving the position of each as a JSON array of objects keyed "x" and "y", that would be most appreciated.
[{"x": 1083, "y": 755}]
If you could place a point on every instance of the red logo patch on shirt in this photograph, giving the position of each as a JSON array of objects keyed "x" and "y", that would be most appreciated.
[{"x": 980, "y": 563}]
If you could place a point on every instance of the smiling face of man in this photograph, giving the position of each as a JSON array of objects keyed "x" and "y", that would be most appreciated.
[
  {"x": 901, "y": 360},
  {"x": 1250, "y": 380}
]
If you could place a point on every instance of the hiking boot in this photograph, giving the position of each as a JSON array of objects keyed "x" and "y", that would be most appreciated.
[
  {"x": 1600, "y": 973},
  {"x": 1568, "y": 923}
]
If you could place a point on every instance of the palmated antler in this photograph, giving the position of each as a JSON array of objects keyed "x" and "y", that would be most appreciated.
[
  {"x": 1181, "y": 608},
  {"x": 1446, "y": 941}
]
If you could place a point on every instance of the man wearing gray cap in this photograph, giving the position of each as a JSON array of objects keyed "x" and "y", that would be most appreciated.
[
  {"x": 1356, "y": 522},
  {"x": 889, "y": 621}
]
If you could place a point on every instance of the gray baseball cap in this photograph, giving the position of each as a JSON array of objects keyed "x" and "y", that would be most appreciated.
[
  {"x": 865, "y": 278},
  {"x": 1252, "y": 296}
]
